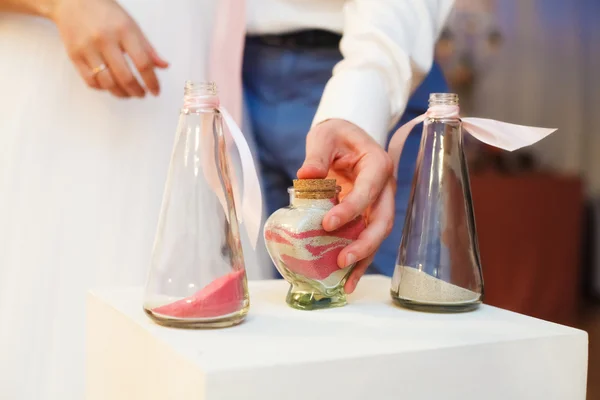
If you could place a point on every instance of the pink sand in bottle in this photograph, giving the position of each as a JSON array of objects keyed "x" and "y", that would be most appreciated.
[
  {"x": 223, "y": 296},
  {"x": 311, "y": 251}
]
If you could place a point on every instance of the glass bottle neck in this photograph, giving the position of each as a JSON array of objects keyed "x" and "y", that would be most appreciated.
[
  {"x": 195, "y": 89},
  {"x": 443, "y": 99},
  {"x": 444, "y": 107},
  {"x": 200, "y": 96},
  {"x": 321, "y": 203}
]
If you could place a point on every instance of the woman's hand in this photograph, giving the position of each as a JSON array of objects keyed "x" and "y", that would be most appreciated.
[
  {"x": 338, "y": 149},
  {"x": 97, "y": 35}
]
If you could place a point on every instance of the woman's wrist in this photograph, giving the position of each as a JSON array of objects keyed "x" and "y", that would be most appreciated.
[{"x": 40, "y": 8}]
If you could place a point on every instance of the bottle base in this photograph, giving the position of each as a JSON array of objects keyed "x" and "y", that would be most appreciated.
[
  {"x": 203, "y": 323},
  {"x": 302, "y": 299},
  {"x": 436, "y": 308}
]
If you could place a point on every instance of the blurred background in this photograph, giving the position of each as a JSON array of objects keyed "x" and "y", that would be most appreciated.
[{"x": 535, "y": 62}]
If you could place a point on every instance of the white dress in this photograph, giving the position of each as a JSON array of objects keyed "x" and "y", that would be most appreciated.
[{"x": 81, "y": 181}]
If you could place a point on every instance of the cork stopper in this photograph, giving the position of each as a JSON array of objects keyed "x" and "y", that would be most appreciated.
[{"x": 315, "y": 188}]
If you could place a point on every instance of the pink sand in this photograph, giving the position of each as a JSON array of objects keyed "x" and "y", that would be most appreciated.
[
  {"x": 222, "y": 296},
  {"x": 324, "y": 257},
  {"x": 318, "y": 268}
]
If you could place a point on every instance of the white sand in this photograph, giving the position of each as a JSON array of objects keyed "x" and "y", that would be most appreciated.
[{"x": 422, "y": 287}]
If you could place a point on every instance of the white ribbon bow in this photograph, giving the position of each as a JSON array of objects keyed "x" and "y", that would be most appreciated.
[{"x": 495, "y": 133}]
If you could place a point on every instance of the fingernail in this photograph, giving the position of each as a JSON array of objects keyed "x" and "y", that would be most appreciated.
[
  {"x": 350, "y": 259},
  {"x": 334, "y": 222}
]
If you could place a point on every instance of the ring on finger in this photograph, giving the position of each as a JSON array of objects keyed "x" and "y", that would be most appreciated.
[{"x": 98, "y": 69}]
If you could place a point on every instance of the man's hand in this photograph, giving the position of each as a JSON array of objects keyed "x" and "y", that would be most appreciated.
[{"x": 339, "y": 149}]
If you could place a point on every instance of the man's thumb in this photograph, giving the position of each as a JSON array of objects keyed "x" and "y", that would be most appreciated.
[{"x": 319, "y": 154}]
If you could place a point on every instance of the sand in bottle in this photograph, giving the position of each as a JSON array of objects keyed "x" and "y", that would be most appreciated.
[{"x": 421, "y": 287}]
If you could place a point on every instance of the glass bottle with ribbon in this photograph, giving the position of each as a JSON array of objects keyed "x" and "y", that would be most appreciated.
[
  {"x": 197, "y": 277},
  {"x": 439, "y": 267}
]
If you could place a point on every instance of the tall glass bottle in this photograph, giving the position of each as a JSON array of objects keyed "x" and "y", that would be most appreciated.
[
  {"x": 197, "y": 277},
  {"x": 438, "y": 266}
]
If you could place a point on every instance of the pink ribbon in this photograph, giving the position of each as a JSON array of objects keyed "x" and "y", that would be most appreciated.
[
  {"x": 227, "y": 51},
  {"x": 495, "y": 133},
  {"x": 251, "y": 198},
  {"x": 225, "y": 68}
]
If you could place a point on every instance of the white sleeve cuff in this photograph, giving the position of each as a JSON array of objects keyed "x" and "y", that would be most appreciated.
[{"x": 358, "y": 96}]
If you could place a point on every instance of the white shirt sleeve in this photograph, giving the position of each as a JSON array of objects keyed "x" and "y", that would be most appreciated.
[{"x": 388, "y": 48}]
